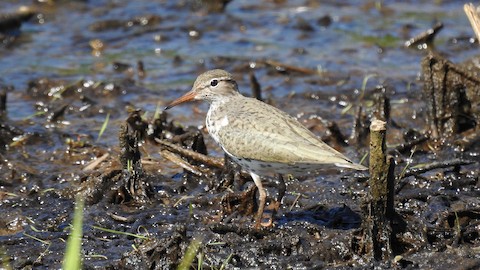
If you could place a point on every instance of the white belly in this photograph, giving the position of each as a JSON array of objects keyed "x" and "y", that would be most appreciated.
[{"x": 268, "y": 168}]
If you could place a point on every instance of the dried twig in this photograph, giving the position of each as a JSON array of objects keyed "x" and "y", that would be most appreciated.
[
  {"x": 256, "y": 88},
  {"x": 408, "y": 145},
  {"x": 474, "y": 18},
  {"x": 287, "y": 67},
  {"x": 425, "y": 38},
  {"x": 3, "y": 102},
  {"x": 437, "y": 165},
  {"x": 181, "y": 162},
  {"x": 209, "y": 161},
  {"x": 94, "y": 163},
  {"x": 337, "y": 134}
]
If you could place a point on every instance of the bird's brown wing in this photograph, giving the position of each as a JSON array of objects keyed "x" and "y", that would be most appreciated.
[{"x": 268, "y": 134}]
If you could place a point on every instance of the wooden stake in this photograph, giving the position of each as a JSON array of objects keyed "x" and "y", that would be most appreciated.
[{"x": 380, "y": 205}]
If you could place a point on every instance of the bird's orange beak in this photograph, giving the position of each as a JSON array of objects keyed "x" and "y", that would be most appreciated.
[{"x": 185, "y": 98}]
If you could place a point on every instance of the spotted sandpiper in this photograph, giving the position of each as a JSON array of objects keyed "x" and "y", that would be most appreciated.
[{"x": 259, "y": 137}]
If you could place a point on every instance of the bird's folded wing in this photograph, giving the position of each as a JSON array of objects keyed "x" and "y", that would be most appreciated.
[
  {"x": 271, "y": 148},
  {"x": 271, "y": 135}
]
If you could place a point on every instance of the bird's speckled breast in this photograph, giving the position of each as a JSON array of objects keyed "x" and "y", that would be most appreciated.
[{"x": 214, "y": 124}]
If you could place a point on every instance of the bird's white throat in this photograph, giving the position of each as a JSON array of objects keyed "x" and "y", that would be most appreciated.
[{"x": 214, "y": 125}]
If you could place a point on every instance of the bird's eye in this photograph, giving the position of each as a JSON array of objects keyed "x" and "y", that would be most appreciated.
[{"x": 214, "y": 83}]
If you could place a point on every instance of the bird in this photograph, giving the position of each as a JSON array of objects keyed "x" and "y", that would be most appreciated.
[{"x": 259, "y": 137}]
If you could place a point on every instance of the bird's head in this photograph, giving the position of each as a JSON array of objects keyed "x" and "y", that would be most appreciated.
[{"x": 213, "y": 85}]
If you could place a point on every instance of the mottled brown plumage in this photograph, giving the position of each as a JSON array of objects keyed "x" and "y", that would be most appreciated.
[{"x": 259, "y": 137}]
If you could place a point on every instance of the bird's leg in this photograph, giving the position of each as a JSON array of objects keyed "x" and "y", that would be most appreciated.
[
  {"x": 275, "y": 205},
  {"x": 281, "y": 188},
  {"x": 262, "y": 197},
  {"x": 281, "y": 192}
]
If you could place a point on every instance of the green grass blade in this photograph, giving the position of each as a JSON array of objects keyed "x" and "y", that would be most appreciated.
[
  {"x": 104, "y": 127},
  {"x": 225, "y": 263},
  {"x": 4, "y": 260},
  {"x": 189, "y": 255},
  {"x": 73, "y": 258},
  {"x": 120, "y": 232}
]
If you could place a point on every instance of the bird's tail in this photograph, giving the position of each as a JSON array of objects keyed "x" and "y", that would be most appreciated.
[{"x": 351, "y": 165}]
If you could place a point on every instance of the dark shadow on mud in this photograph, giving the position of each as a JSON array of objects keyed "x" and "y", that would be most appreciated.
[{"x": 334, "y": 218}]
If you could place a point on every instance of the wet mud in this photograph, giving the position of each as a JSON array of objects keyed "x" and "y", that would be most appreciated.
[{"x": 81, "y": 116}]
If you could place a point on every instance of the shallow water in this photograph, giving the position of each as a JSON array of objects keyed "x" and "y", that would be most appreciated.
[{"x": 342, "y": 42}]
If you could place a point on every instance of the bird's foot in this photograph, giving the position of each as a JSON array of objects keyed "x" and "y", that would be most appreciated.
[
  {"x": 274, "y": 206},
  {"x": 265, "y": 221},
  {"x": 267, "y": 217}
]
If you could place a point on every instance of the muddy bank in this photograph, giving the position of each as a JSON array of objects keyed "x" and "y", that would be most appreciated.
[{"x": 82, "y": 91}]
